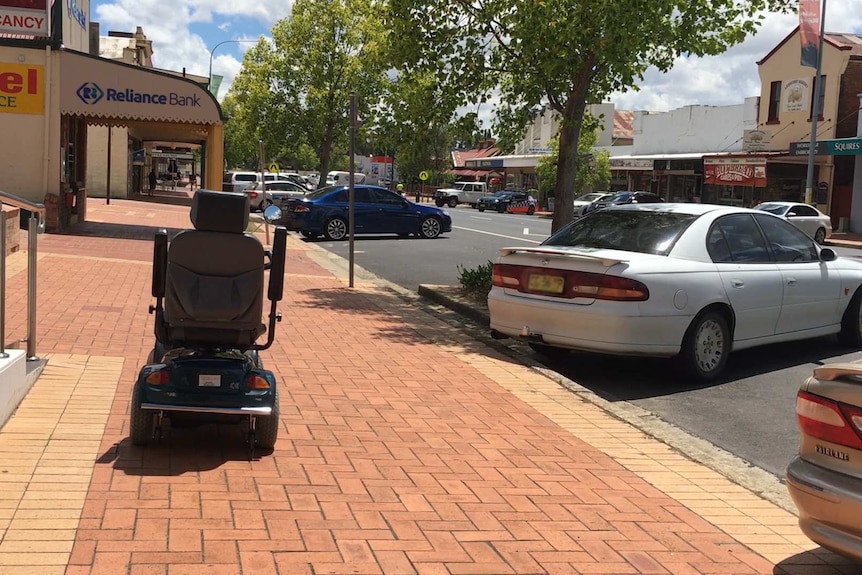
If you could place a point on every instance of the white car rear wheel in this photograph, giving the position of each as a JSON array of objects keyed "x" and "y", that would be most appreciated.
[
  {"x": 820, "y": 235},
  {"x": 706, "y": 346}
]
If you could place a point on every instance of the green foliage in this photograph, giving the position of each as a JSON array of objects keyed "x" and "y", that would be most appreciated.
[
  {"x": 564, "y": 54},
  {"x": 295, "y": 91},
  {"x": 593, "y": 173},
  {"x": 476, "y": 282}
]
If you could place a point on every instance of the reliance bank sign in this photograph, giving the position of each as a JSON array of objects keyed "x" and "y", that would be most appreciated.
[
  {"x": 91, "y": 94},
  {"x": 100, "y": 88}
]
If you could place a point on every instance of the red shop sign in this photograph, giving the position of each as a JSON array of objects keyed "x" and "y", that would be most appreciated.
[{"x": 735, "y": 174}]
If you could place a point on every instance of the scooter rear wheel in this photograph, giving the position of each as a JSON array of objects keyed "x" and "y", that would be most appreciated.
[
  {"x": 141, "y": 421},
  {"x": 266, "y": 428}
]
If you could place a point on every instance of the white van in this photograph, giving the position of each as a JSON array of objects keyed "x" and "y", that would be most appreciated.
[
  {"x": 238, "y": 181},
  {"x": 341, "y": 178}
]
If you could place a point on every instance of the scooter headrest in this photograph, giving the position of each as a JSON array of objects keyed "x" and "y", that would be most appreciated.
[{"x": 225, "y": 212}]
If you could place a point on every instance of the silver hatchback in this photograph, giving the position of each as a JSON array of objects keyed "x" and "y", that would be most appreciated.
[{"x": 825, "y": 479}]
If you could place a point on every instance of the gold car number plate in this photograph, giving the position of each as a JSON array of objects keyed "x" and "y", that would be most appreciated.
[
  {"x": 205, "y": 380},
  {"x": 545, "y": 283}
]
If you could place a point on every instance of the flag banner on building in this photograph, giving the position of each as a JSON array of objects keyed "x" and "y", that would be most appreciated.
[
  {"x": 809, "y": 31},
  {"x": 24, "y": 17},
  {"x": 215, "y": 84},
  {"x": 735, "y": 172}
]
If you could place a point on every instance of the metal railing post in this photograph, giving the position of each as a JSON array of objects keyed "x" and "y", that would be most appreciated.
[
  {"x": 3, "y": 353},
  {"x": 32, "y": 230},
  {"x": 37, "y": 213}
]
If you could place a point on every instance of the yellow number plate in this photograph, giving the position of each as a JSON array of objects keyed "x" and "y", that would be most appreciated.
[{"x": 550, "y": 284}]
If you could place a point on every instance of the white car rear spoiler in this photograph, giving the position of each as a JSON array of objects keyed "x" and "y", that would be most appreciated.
[{"x": 606, "y": 261}]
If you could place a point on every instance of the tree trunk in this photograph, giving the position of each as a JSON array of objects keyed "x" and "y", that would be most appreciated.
[
  {"x": 567, "y": 163},
  {"x": 325, "y": 154}
]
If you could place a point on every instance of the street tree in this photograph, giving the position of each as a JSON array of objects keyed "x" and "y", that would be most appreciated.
[
  {"x": 418, "y": 121},
  {"x": 565, "y": 53},
  {"x": 594, "y": 168},
  {"x": 301, "y": 81}
]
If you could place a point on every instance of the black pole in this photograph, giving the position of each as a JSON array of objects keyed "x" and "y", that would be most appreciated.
[{"x": 350, "y": 212}]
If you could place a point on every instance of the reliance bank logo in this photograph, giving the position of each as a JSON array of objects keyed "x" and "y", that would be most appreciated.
[{"x": 91, "y": 93}]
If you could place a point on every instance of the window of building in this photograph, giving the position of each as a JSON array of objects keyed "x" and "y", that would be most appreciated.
[
  {"x": 774, "y": 101},
  {"x": 822, "y": 93}
]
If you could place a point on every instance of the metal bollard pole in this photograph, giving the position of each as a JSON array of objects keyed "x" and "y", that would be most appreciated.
[
  {"x": 32, "y": 229},
  {"x": 3, "y": 353}
]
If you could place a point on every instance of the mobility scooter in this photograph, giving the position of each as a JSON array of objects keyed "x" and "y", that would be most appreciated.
[{"x": 205, "y": 366}]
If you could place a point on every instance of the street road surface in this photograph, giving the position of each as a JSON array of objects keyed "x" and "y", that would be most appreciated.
[{"x": 749, "y": 412}]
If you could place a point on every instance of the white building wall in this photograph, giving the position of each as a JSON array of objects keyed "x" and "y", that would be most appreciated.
[
  {"x": 97, "y": 162},
  {"x": 694, "y": 129},
  {"x": 546, "y": 125}
]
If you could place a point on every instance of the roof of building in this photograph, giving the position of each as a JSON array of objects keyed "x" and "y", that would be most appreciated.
[
  {"x": 623, "y": 123},
  {"x": 484, "y": 151},
  {"x": 840, "y": 40}
]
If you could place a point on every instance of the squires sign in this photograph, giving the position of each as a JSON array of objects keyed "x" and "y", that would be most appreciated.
[
  {"x": 735, "y": 173},
  {"x": 24, "y": 17}
]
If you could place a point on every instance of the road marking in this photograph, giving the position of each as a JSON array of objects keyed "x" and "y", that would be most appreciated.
[
  {"x": 526, "y": 231},
  {"x": 496, "y": 235},
  {"x": 481, "y": 218}
]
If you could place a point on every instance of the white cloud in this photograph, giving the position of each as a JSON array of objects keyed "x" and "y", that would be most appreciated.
[
  {"x": 731, "y": 77},
  {"x": 168, "y": 25},
  {"x": 717, "y": 80}
]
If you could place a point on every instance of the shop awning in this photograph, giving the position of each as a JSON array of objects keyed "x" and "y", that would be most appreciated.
[{"x": 101, "y": 88}]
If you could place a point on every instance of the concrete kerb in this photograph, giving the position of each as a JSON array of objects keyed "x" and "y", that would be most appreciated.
[{"x": 448, "y": 309}]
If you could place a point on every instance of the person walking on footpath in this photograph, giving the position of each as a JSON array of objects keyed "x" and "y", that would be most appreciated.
[{"x": 152, "y": 179}]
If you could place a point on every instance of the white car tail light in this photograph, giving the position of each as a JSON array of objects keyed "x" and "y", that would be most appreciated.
[
  {"x": 568, "y": 284},
  {"x": 828, "y": 420}
]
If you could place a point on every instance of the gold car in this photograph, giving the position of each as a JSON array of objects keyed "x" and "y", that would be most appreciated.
[{"x": 825, "y": 479}]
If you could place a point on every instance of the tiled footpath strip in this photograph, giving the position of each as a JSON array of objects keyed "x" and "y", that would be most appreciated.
[{"x": 47, "y": 450}]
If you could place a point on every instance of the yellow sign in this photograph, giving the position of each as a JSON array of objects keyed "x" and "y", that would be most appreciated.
[
  {"x": 273, "y": 167},
  {"x": 423, "y": 175},
  {"x": 22, "y": 89}
]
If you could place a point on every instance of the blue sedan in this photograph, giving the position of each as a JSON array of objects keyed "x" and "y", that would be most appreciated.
[{"x": 376, "y": 211}]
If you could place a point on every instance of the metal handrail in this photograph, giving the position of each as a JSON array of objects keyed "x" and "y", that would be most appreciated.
[{"x": 37, "y": 212}]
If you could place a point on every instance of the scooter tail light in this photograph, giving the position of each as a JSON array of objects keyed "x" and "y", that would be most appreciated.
[
  {"x": 299, "y": 209},
  {"x": 827, "y": 420},
  {"x": 159, "y": 377},
  {"x": 252, "y": 195},
  {"x": 255, "y": 381}
]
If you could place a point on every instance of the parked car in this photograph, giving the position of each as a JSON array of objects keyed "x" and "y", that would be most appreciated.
[
  {"x": 623, "y": 198},
  {"x": 461, "y": 193},
  {"x": 238, "y": 181},
  {"x": 276, "y": 193},
  {"x": 508, "y": 201},
  {"x": 376, "y": 211},
  {"x": 807, "y": 218},
  {"x": 825, "y": 478},
  {"x": 690, "y": 280},
  {"x": 581, "y": 202}
]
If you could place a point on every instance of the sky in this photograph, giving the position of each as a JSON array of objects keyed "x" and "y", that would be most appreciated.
[{"x": 184, "y": 32}]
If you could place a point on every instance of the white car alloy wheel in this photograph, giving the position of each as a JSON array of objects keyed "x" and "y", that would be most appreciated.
[
  {"x": 336, "y": 229},
  {"x": 707, "y": 345},
  {"x": 431, "y": 227}
]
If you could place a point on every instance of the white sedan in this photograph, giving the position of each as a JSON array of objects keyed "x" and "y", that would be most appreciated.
[
  {"x": 581, "y": 202},
  {"x": 693, "y": 280},
  {"x": 276, "y": 193},
  {"x": 807, "y": 218}
]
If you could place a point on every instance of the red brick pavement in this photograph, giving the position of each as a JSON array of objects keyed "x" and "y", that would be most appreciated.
[{"x": 394, "y": 455}]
